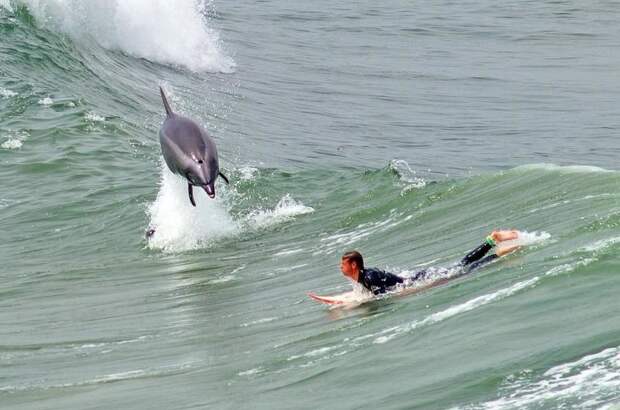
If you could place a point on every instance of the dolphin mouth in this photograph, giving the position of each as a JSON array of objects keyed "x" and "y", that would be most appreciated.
[{"x": 210, "y": 190}]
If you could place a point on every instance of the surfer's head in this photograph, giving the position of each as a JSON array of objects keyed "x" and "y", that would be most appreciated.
[{"x": 351, "y": 264}]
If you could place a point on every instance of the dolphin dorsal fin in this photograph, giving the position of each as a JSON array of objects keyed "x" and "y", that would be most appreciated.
[{"x": 169, "y": 112}]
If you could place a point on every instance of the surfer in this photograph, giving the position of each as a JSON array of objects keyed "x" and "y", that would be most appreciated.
[{"x": 378, "y": 281}]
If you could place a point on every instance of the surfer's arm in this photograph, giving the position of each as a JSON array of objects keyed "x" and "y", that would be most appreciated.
[{"x": 501, "y": 251}]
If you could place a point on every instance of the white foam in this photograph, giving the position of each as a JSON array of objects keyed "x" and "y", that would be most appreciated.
[
  {"x": 359, "y": 294},
  {"x": 287, "y": 252},
  {"x": 7, "y": 93},
  {"x": 599, "y": 246},
  {"x": 46, "y": 101},
  {"x": 320, "y": 354},
  {"x": 15, "y": 140},
  {"x": 355, "y": 297},
  {"x": 286, "y": 209},
  {"x": 589, "y": 382},
  {"x": 568, "y": 267},
  {"x": 178, "y": 225},
  {"x": 314, "y": 353},
  {"x": 562, "y": 168},
  {"x": 247, "y": 173},
  {"x": 251, "y": 372},
  {"x": 223, "y": 279},
  {"x": 169, "y": 32},
  {"x": 258, "y": 321},
  {"x": 12, "y": 143},
  {"x": 290, "y": 268},
  {"x": 94, "y": 117}
]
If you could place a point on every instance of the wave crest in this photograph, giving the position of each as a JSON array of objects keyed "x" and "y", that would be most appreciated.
[{"x": 158, "y": 30}]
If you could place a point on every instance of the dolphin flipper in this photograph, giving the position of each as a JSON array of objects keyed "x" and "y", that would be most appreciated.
[
  {"x": 223, "y": 177},
  {"x": 190, "y": 190},
  {"x": 169, "y": 112}
]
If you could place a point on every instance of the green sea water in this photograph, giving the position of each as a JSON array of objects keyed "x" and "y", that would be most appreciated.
[{"x": 383, "y": 128}]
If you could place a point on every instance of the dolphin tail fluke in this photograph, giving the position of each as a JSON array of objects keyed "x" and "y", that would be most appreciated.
[
  {"x": 223, "y": 177},
  {"x": 166, "y": 105},
  {"x": 190, "y": 191}
]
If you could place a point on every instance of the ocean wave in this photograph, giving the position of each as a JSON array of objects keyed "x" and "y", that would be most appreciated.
[
  {"x": 162, "y": 371},
  {"x": 336, "y": 241},
  {"x": 456, "y": 310},
  {"x": 593, "y": 380},
  {"x": 158, "y": 30},
  {"x": 601, "y": 245}
]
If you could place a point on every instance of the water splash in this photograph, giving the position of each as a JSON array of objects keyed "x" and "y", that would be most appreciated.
[
  {"x": 285, "y": 210},
  {"x": 407, "y": 175},
  {"x": 178, "y": 225},
  {"x": 158, "y": 30}
]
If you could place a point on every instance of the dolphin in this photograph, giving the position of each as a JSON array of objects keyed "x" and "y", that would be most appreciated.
[{"x": 189, "y": 151}]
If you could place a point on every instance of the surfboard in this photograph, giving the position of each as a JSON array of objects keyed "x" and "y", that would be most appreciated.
[
  {"x": 328, "y": 300},
  {"x": 350, "y": 299}
]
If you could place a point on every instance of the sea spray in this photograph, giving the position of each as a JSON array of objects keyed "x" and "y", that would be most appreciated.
[
  {"x": 178, "y": 225},
  {"x": 158, "y": 30},
  {"x": 285, "y": 209}
]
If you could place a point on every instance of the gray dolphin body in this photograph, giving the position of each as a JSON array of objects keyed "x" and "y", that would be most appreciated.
[{"x": 189, "y": 151}]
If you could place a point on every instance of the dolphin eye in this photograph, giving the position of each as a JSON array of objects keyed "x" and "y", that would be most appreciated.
[{"x": 200, "y": 161}]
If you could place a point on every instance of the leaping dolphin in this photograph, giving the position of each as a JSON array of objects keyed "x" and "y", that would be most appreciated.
[{"x": 189, "y": 151}]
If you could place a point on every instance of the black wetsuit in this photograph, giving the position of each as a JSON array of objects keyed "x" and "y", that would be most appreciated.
[{"x": 378, "y": 281}]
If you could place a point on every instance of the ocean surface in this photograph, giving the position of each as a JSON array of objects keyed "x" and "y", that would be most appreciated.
[{"x": 405, "y": 130}]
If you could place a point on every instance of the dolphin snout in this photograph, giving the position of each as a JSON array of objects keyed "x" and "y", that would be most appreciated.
[{"x": 210, "y": 190}]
